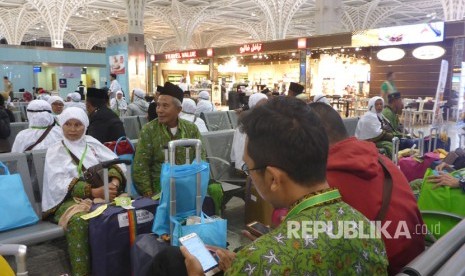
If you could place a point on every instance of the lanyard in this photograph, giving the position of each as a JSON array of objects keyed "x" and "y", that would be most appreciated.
[
  {"x": 34, "y": 127},
  {"x": 312, "y": 201},
  {"x": 79, "y": 168}
]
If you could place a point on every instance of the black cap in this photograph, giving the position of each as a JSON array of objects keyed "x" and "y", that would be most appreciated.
[
  {"x": 159, "y": 88},
  {"x": 172, "y": 90},
  {"x": 296, "y": 88},
  {"x": 393, "y": 96},
  {"x": 97, "y": 93},
  {"x": 265, "y": 91}
]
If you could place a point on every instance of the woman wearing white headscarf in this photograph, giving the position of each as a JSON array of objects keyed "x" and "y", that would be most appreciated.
[
  {"x": 139, "y": 106},
  {"x": 65, "y": 193},
  {"x": 237, "y": 150},
  {"x": 188, "y": 114},
  {"x": 76, "y": 101},
  {"x": 118, "y": 104},
  {"x": 57, "y": 104},
  {"x": 320, "y": 98},
  {"x": 370, "y": 126},
  {"x": 204, "y": 104},
  {"x": 41, "y": 123}
]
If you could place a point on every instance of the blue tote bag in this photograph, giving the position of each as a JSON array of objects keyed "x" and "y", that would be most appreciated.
[
  {"x": 185, "y": 177},
  {"x": 212, "y": 231},
  {"x": 15, "y": 208}
]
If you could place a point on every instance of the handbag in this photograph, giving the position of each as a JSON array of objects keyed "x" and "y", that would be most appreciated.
[
  {"x": 122, "y": 147},
  {"x": 212, "y": 231},
  {"x": 15, "y": 208},
  {"x": 442, "y": 199},
  {"x": 185, "y": 177},
  {"x": 92, "y": 175}
]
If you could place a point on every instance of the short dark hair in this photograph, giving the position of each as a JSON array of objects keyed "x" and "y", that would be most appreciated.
[
  {"x": 113, "y": 76},
  {"x": 5, "y": 77},
  {"x": 97, "y": 102},
  {"x": 331, "y": 121},
  {"x": 389, "y": 74},
  {"x": 286, "y": 134}
]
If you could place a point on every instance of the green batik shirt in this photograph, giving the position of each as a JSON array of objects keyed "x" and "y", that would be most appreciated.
[
  {"x": 150, "y": 153},
  {"x": 277, "y": 254},
  {"x": 393, "y": 119}
]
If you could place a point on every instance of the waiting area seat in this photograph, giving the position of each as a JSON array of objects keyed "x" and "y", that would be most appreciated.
[
  {"x": 15, "y": 128},
  {"x": 444, "y": 257},
  {"x": 216, "y": 120},
  {"x": 131, "y": 126},
  {"x": 351, "y": 125},
  {"x": 43, "y": 230}
]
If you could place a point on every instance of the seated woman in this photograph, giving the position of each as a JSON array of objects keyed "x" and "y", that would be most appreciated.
[
  {"x": 370, "y": 127},
  {"x": 65, "y": 193},
  {"x": 42, "y": 131},
  {"x": 118, "y": 104},
  {"x": 187, "y": 113}
]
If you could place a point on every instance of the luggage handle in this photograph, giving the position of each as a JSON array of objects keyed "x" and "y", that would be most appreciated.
[
  {"x": 395, "y": 148},
  {"x": 172, "y": 160},
  {"x": 421, "y": 142},
  {"x": 436, "y": 137},
  {"x": 106, "y": 165}
]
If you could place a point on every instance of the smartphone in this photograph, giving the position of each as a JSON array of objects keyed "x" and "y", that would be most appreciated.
[
  {"x": 196, "y": 247},
  {"x": 258, "y": 229}
]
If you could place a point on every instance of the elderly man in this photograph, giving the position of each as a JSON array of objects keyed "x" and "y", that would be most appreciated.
[{"x": 156, "y": 134}]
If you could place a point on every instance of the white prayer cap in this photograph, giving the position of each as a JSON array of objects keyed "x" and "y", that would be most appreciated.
[
  {"x": 255, "y": 98},
  {"x": 55, "y": 99},
  {"x": 74, "y": 113},
  {"x": 204, "y": 95},
  {"x": 119, "y": 92},
  {"x": 39, "y": 113},
  {"x": 76, "y": 97},
  {"x": 139, "y": 93},
  {"x": 188, "y": 106},
  {"x": 320, "y": 98}
]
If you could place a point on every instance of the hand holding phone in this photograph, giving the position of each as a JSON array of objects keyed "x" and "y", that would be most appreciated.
[{"x": 196, "y": 247}]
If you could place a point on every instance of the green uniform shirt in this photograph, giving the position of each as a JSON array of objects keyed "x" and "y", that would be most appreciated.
[
  {"x": 150, "y": 153},
  {"x": 276, "y": 254}
]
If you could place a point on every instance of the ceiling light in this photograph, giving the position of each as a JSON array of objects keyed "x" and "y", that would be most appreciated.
[
  {"x": 254, "y": 14},
  {"x": 390, "y": 54},
  {"x": 428, "y": 52}
]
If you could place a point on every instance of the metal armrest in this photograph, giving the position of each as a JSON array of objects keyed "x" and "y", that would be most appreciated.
[{"x": 19, "y": 251}]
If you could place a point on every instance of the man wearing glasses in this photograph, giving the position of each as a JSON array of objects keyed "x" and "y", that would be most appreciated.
[{"x": 285, "y": 155}]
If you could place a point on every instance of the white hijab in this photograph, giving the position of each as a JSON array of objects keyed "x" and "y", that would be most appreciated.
[
  {"x": 238, "y": 145},
  {"x": 204, "y": 104},
  {"x": 188, "y": 110},
  {"x": 256, "y": 98},
  {"x": 369, "y": 126},
  {"x": 60, "y": 170},
  {"x": 117, "y": 104},
  {"x": 320, "y": 98},
  {"x": 39, "y": 115}
]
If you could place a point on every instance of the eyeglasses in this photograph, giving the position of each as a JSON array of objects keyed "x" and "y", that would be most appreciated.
[{"x": 246, "y": 169}]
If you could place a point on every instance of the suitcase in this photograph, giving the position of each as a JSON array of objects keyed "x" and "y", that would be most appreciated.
[
  {"x": 109, "y": 233},
  {"x": 147, "y": 246}
]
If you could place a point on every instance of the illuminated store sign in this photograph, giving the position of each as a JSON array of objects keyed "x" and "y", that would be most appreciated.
[
  {"x": 181, "y": 55},
  {"x": 428, "y": 52},
  {"x": 251, "y": 48},
  {"x": 390, "y": 54}
]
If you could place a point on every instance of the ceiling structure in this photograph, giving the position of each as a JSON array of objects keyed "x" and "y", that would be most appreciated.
[{"x": 189, "y": 24}]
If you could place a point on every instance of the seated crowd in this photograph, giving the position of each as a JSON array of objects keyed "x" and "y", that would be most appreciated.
[{"x": 298, "y": 156}]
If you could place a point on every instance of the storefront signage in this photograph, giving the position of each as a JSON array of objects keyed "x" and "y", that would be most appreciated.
[
  {"x": 181, "y": 55},
  {"x": 419, "y": 33},
  {"x": 251, "y": 48},
  {"x": 390, "y": 54}
]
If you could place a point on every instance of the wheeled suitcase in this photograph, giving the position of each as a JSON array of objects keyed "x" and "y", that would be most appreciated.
[
  {"x": 147, "y": 246},
  {"x": 109, "y": 233}
]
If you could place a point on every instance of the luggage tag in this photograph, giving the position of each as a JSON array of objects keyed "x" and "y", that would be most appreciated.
[
  {"x": 97, "y": 212},
  {"x": 124, "y": 202}
]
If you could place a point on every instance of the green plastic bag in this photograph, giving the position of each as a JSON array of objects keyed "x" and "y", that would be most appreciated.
[{"x": 442, "y": 199}]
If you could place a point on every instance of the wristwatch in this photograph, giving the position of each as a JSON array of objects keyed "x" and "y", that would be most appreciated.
[{"x": 462, "y": 183}]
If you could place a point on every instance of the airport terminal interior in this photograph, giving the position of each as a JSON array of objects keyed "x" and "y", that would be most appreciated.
[{"x": 131, "y": 127}]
